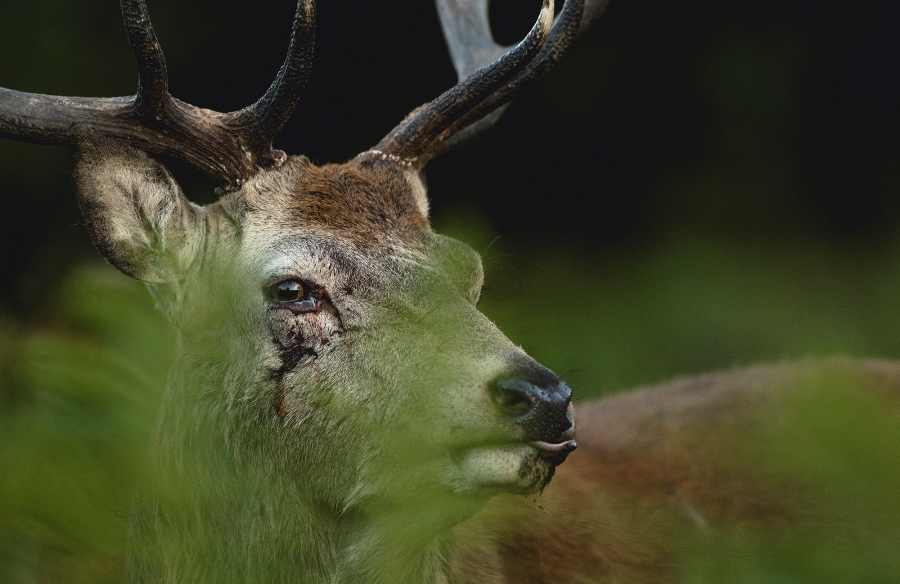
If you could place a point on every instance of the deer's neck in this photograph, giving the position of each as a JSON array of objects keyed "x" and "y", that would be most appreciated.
[{"x": 221, "y": 507}]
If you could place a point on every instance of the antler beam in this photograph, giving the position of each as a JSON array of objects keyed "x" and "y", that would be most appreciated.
[{"x": 229, "y": 147}]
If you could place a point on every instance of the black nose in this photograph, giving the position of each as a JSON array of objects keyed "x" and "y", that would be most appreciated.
[{"x": 539, "y": 409}]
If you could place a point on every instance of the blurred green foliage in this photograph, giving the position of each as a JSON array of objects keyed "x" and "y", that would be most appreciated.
[{"x": 80, "y": 387}]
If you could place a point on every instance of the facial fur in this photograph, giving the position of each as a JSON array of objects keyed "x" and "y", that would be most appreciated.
[{"x": 377, "y": 387}]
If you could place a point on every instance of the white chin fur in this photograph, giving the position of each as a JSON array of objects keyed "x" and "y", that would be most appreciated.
[{"x": 517, "y": 468}]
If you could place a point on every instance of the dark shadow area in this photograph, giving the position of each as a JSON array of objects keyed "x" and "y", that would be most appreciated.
[{"x": 697, "y": 117}]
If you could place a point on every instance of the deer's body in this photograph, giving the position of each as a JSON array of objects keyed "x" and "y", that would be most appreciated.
[
  {"x": 340, "y": 411},
  {"x": 662, "y": 470}
]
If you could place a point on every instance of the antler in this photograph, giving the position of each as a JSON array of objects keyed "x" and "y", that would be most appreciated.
[
  {"x": 229, "y": 147},
  {"x": 433, "y": 129},
  {"x": 411, "y": 140}
]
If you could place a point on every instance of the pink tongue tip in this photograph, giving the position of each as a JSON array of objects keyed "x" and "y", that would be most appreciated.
[{"x": 567, "y": 446}]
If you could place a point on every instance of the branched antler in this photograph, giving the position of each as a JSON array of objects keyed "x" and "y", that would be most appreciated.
[
  {"x": 473, "y": 51},
  {"x": 232, "y": 147},
  {"x": 229, "y": 147}
]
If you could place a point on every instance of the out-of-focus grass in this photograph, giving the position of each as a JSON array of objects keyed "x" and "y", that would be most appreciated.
[
  {"x": 80, "y": 387},
  {"x": 82, "y": 378}
]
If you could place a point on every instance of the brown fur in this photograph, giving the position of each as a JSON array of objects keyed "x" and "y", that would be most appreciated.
[{"x": 366, "y": 201}]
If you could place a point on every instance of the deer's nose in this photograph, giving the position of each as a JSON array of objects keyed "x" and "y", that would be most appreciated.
[{"x": 539, "y": 409}]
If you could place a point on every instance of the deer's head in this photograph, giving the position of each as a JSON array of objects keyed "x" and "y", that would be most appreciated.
[{"x": 327, "y": 332}]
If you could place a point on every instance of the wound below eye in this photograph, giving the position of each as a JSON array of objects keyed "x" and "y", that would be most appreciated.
[
  {"x": 294, "y": 343},
  {"x": 291, "y": 355}
]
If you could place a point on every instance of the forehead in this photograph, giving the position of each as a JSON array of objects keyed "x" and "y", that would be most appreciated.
[{"x": 367, "y": 204}]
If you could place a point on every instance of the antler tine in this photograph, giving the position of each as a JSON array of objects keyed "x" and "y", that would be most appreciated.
[
  {"x": 261, "y": 121},
  {"x": 467, "y": 30},
  {"x": 230, "y": 148},
  {"x": 411, "y": 140},
  {"x": 153, "y": 100}
]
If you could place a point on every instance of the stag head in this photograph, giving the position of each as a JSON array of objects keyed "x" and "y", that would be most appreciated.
[{"x": 330, "y": 344}]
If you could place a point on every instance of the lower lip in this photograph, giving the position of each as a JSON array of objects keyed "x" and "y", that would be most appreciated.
[{"x": 567, "y": 446}]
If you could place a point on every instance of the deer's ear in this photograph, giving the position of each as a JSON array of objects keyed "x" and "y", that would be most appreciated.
[{"x": 137, "y": 214}]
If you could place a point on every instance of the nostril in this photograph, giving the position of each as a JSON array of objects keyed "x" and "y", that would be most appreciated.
[
  {"x": 512, "y": 403},
  {"x": 511, "y": 398},
  {"x": 538, "y": 412}
]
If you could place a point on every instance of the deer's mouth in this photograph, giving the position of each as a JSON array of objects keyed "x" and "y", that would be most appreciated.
[
  {"x": 515, "y": 467},
  {"x": 557, "y": 451}
]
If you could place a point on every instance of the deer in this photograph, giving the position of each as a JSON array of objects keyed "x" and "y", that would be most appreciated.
[{"x": 339, "y": 410}]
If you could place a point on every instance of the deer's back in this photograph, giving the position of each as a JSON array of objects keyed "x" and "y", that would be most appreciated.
[{"x": 660, "y": 469}]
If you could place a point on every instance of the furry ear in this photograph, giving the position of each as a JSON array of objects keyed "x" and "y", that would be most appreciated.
[{"x": 137, "y": 214}]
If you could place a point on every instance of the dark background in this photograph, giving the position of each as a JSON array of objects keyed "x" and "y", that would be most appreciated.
[{"x": 777, "y": 119}]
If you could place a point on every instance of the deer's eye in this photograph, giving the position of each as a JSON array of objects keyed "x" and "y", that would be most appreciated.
[
  {"x": 288, "y": 291},
  {"x": 295, "y": 293}
]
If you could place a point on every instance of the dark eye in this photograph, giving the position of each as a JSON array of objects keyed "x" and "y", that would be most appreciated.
[
  {"x": 287, "y": 291},
  {"x": 295, "y": 293}
]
